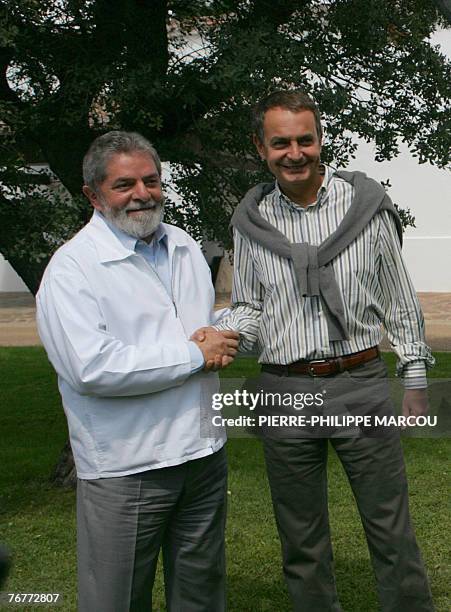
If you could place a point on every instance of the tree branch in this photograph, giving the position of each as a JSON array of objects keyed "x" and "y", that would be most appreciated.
[
  {"x": 6, "y": 93},
  {"x": 147, "y": 36},
  {"x": 444, "y": 8}
]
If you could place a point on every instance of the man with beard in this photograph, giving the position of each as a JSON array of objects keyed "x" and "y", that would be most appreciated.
[
  {"x": 317, "y": 269},
  {"x": 116, "y": 309}
]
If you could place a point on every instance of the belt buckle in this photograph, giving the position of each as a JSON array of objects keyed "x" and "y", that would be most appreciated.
[{"x": 311, "y": 371}]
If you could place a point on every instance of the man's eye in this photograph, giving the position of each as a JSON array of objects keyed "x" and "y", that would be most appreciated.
[{"x": 279, "y": 144}]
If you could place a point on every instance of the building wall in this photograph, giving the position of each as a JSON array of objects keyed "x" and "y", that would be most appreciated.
[
  {"x": 9, "y": 280},
  {"x": 429, "y": 262}
]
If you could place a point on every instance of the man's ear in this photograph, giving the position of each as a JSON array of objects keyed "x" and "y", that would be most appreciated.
[
  {"x": 321, "y": 136},
  {"x": 92, "y": 197},
  {"x": 259, "y": 146}
]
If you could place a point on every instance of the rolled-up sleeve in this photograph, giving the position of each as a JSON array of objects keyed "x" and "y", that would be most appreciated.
[{"x": 403, "y": 318}]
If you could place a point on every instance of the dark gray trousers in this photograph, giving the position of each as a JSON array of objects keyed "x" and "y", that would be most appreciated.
[
  {"x": 297, "y": 473},
  {"x": 122, "y": 523}
]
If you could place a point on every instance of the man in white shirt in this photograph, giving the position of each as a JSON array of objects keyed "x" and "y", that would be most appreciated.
[{"x": 116, "y": 309}]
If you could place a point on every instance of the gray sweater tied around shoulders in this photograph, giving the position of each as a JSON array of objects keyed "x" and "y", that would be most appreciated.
[{"x": 312, "y": 267}]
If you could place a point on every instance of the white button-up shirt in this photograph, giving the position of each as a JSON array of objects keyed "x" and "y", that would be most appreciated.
[{"x": 119, "y": 344}]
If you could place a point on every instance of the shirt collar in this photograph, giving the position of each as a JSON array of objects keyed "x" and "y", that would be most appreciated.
[
  {"x": 321, "y": 195},
  {"x": 113, "y": 244},
  {"x": 159, "y": 236}
]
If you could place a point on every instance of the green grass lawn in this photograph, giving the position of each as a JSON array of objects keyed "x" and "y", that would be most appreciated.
[{"x": 37, "y": 521}]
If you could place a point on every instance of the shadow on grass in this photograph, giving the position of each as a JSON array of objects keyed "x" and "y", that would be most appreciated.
[
  {"x": 355, "y": 582},
  {"x": 267, "y": 593}
]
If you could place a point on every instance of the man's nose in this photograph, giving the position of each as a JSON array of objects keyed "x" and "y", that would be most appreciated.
[
  {"x": 140, "y": 191},
  {"x": 295, "y": 151}
]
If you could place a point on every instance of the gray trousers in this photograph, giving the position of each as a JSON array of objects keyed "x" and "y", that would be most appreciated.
[
  {"x": 122, "y": 523},
  {"x": 297, "y": 473}
]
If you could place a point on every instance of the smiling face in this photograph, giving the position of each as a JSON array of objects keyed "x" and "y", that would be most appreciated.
[
  {"x": 292, "y": 148},
  {"x": 130, "y": 195}
]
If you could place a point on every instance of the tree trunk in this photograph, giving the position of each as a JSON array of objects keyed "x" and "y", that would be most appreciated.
[
  {"x": 65, "y": 474},
  {"x": 29, "y": 272}
]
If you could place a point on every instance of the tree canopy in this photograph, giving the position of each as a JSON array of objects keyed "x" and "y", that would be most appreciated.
[{"x": 185, "y": 74}]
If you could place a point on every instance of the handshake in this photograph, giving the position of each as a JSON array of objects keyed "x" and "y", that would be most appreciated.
[{"x": 218, "y": 347}]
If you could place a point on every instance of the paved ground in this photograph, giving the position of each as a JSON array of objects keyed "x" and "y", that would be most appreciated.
[{"x": 18, "y": 328}]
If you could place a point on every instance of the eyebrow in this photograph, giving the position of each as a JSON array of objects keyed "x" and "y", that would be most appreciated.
[
  {"x": 307, "y": 136},
  {"x": 127, "y": 179}
]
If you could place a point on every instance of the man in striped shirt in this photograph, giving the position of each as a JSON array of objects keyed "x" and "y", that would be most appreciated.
[{"x": 317, "y": 321}]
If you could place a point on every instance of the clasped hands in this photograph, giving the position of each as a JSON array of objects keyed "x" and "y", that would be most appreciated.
[{"x": 218, "y": 347}]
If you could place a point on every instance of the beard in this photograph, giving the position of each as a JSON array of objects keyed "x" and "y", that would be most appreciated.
[{"x": 139, "y": 226}]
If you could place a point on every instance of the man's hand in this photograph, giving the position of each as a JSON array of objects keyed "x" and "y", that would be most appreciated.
[
  {"x": 415, "y": 402},
  {"x": 224, "y": 345}
]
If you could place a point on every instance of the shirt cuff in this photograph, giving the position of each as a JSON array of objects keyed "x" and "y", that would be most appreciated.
[
  {"x": 197, "y": 358},
  {"x": 414, "y": 375},
  {"x": 218, "y": 315},
  {"x": 219, "y": 325}
]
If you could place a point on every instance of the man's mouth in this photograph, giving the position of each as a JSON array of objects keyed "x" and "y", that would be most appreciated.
[
  {"x": 294, "y": 166},
  {"x": 142, "y": 208}
]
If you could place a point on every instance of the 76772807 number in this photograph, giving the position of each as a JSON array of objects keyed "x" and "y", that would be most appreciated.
[{"x": 32, "y": 598}]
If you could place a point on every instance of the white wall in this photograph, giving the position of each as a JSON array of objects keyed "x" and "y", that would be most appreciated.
[
  {"x": 426, "y": 190},
  {"x": 429, "y": 262},
  {"x": 9, "y": 280}
]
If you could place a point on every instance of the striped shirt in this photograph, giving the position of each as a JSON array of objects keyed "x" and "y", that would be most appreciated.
[{"x": 374, "y": 283}]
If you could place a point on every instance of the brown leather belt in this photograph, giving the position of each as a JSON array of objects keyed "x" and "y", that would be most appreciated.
[{"x": 323, "y": 367}]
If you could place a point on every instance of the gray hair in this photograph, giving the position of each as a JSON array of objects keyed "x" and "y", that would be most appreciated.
[
  {"x": 104, "y": 147},
  {"x": 295, "y": 101}
]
